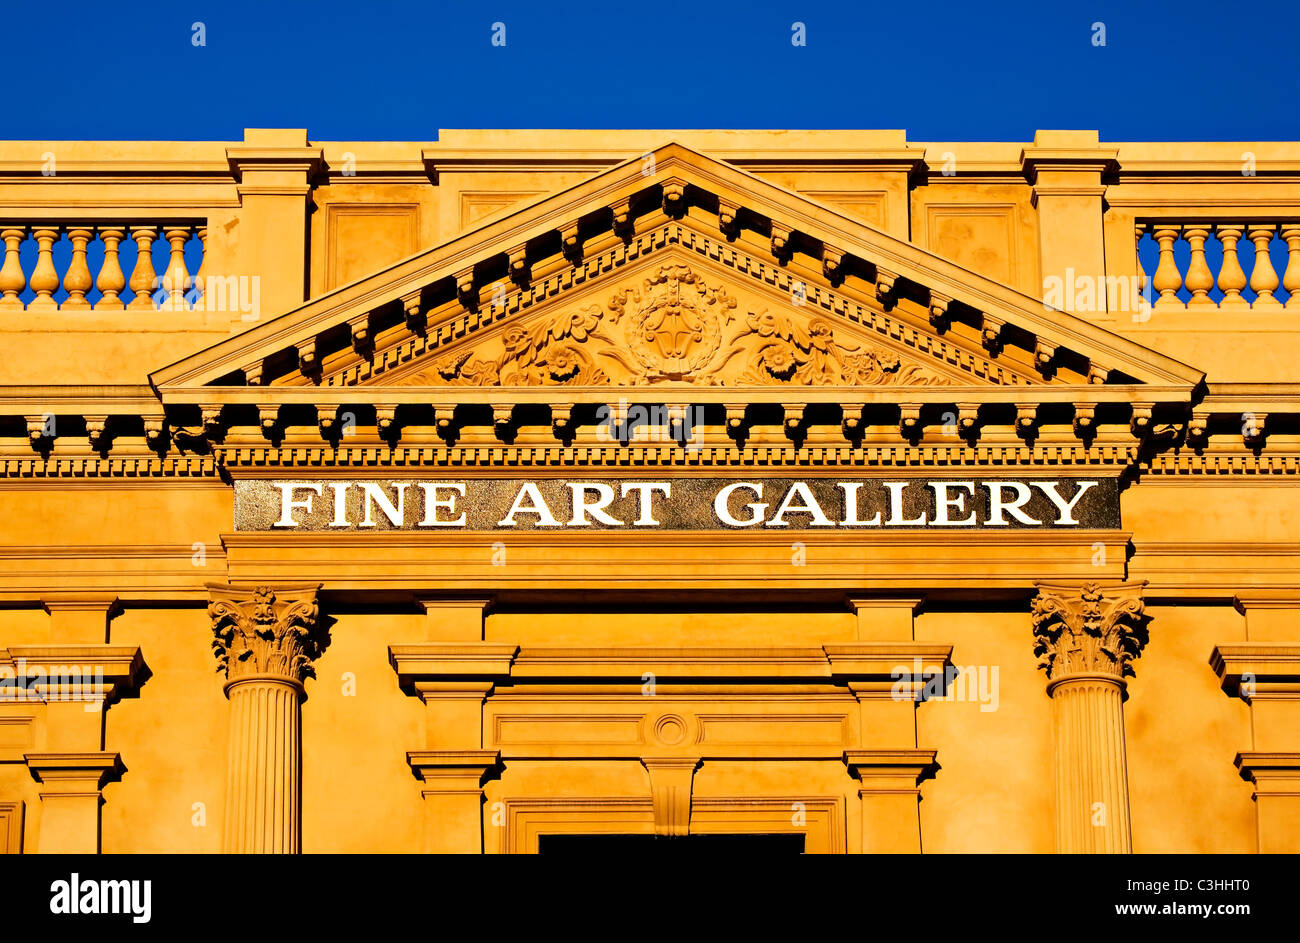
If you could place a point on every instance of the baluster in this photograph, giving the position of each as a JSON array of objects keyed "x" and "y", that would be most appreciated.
[
  {"x": 1199, "y": 278},
  {"x": 111, "y": 281},
  {"x": 12, "y": 279},
  {"x": 203, "y": 264},
  {"x": 1263, "y": 280},
  {"x": 76, "y": 280},
  {"x": 1142, "y": 277},
  {"x": 45, "y": 280},
  {"x": 1231, "y": 277},
  {"x": 1291, "y": 280},
  {"x": 176, "y": 279},
  {"x": 1167, "y": 280},
  {"x": 142, "y": 276}
]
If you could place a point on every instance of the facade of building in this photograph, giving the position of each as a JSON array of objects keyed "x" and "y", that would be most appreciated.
[{"x": 824, "y": 490}]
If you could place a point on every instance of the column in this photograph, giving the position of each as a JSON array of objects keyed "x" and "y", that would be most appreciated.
[
  {"x": 266, "y": 641},
  {"x": 1264, "y": 671},
  {"x": 1087, "y": 638}
]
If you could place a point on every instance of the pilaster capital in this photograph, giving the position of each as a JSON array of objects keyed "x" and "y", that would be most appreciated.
[
  {"x": 1089, "y": 629},
  {"x": 74, "y": 773},
  {"x": 1272, "y": 773},
  {"x": 433, "y": 666},
  {"x": 898, "y": 671},
  {"x": 910, "y": 603},
  {"x": 84, "y": 672},
  {"x": 1273, "y": 598},
  {"x": 274, "y": 162},
  {"x": 451, "y": 772},
  {"x": 1254, "y": 669},
  {"x": 1064, "y": 153},
  {"x": 107, "y": 603},
  {"x": 266, "y": 631},
  {"x": 891, "y": 771}
]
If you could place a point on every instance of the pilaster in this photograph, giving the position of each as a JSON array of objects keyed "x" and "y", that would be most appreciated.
[
  {"x": 1066, "y": 170},
  {"x": 274, "y": 169},
  {"x": 452, "y": 787},
  {"x": 890, "y": 680},
  {"x": 71, "y": 796},
  {"x": 1266, "y": 675},
  {"x": 453, "y": 679},
  {"x": 77, "y": 679},
  {"x": 890, "y": 794},
  {"x": 1087, "y": 638},
  {"x": 885, "y": 618}
]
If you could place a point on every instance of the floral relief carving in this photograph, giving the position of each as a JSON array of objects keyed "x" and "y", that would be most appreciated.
[
  {"x": 265, "y": 631},
  {"x": 674, "y": 328},
  {"x": 1087, "y": 631}
]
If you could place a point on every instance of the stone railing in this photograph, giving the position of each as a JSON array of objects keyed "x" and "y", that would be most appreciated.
[
  {"x": 69, "y": 266},
  {"x": 1224, "y": 264}
]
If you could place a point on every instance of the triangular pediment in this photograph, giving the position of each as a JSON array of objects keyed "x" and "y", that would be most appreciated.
[
  {"x": 674, "y": 319},
  {"x": 675, "y": 270}
]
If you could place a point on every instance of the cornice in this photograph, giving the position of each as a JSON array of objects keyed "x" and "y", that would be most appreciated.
[
  {"x": 1236, "y": 398},
  {"x": 1093, "y": 393},
  {"x": 439, "y": 159},
  {"x": 125, "y": 399},
  {"x": 457, "y": 562},
  {"x": 532, "y": 664}
]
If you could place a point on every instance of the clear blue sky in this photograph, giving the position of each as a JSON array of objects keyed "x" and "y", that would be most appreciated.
[{"x": 383, "y": 69}]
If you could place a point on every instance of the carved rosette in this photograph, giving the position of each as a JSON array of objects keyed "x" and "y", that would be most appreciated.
[
  {"x": 267, "y": 631},
  {"x": 1088, "y": 630}
]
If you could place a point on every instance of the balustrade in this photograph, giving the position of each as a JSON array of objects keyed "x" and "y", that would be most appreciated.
[
  {"x": 1194, "y": 284},
  {"x": 35, "y": 284}
]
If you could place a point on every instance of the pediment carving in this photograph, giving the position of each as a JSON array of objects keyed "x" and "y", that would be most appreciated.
[{"x": 676, "y": 326}]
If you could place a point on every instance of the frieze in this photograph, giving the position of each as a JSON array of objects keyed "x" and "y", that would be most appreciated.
[{"x": 756, "y": 503}]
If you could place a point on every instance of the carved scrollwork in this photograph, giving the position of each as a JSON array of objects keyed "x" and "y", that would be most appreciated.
[
  {"x": 1087, "y": 630},
  {"x": 265, "y": 631},
  {"x": 675, "y": 327}
]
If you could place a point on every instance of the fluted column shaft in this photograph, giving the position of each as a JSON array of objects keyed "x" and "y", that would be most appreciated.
[
  {"x": 266, "y": 640},
  {"x": 1087, "y": 637},
  {"x": 1092, "y": 814},
  {"x": 262, "y": 773}
]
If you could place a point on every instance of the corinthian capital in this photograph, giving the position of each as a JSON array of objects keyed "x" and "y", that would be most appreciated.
[
  {"x": 1088, "y": 629},
  {"x": 265, "y": 631}
]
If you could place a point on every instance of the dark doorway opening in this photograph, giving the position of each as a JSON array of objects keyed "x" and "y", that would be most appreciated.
[{"x": 789, "y": 844}]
